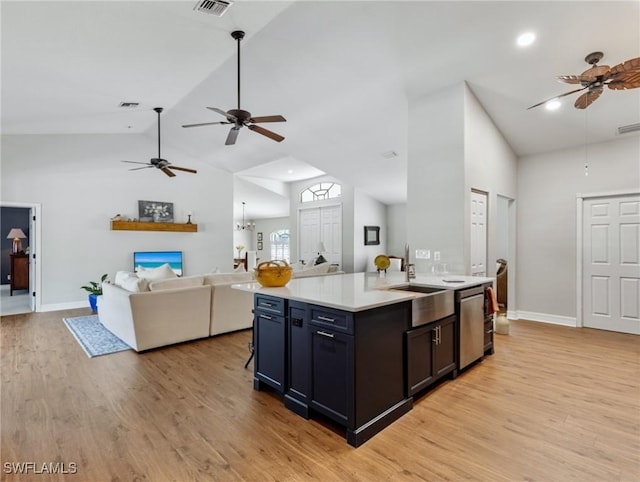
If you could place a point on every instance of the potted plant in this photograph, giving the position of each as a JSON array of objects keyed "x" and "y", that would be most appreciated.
[{"x": 94, "y": 288}]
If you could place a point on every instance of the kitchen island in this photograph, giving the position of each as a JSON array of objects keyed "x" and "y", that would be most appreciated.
[{"x": 343, "y": 346}]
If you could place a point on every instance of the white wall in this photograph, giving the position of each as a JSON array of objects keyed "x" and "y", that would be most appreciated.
[
  {"x": 81, "y": 184},
  {"x": 454, "y": 147},
  {"x": 547, "y": 188},
  {"x": 367, "y": 212},
  {"x": 490, "y": 166},
  {"x": 396, "y": 233},
  {"x": 435, "y": 177}
]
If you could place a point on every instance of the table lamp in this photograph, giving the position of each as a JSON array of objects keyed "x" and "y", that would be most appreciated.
[{"x": 16, "y": 234}]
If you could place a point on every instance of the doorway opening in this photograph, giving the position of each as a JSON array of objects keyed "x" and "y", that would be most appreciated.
[
  {"x": 23, "y": 294},
  {"x": 505, "y": 253}
]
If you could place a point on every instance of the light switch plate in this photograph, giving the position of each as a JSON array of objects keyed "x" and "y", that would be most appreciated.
[{"x": 423, "y": 254}]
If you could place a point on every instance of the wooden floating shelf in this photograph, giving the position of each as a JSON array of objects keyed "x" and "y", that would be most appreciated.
[{"x": 138, "y": 226}]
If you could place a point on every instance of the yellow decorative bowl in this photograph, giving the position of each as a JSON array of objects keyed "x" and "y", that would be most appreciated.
[
  {"x": 382, "y": 262},
  {"x": 271, "y": 274}
]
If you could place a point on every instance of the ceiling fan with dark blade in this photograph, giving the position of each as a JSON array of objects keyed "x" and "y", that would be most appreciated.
[
  {"x": 242, "y": 118},
  {"x": 625, "y": 75},
  {"x": 157, "y": 162}
]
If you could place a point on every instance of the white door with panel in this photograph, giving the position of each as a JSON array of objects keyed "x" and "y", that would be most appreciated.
[
  {"x": 478, "y": 233},
  {"x": 611, "y": 263},
  {"x": 324, "y": 225}
]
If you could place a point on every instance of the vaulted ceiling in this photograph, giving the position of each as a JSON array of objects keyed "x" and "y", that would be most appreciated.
[{"x": 342, "y": 73}]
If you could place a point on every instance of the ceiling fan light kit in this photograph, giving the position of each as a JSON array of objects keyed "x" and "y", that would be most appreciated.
[
  {"x": 625, "y": 75},
  {"x": 239, "y": 117}
]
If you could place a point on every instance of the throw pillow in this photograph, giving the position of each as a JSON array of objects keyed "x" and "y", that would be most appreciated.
[
  {"x": 156, "y": 274},
  {"x": 135, "y": 284},
  {"x": 173, "y": 283},
  {"x": 121, "y": 276}
]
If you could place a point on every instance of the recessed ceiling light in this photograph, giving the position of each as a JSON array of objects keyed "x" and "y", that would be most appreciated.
[
  {"x": 290, "y": 171},
  {"x": 553, "y": 104},
  {"x": 526, "y": 39}
]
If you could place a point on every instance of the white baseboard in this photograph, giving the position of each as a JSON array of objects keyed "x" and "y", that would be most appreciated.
[
  {"x": 72, "y": 305},
  {"x": 546, "y": 318}
]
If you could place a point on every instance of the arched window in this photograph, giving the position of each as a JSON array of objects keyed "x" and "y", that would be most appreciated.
[
  {"x": 318, "y": 192},
  {"x": 280, "y": 244}
]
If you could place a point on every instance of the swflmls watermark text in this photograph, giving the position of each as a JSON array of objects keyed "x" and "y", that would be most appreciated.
[{"x": 40, "y": 468}]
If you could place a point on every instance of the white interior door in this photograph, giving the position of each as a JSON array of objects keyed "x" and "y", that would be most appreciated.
[
  {"x": 321, "y": 224},
  {"x": 309, "y": 235},
  {"x": 331, "y": 233},
  {"x": 478, "y": 233},
  {"x": 611, "y": 263}
]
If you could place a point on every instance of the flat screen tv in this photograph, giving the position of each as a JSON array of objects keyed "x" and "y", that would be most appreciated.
[{"x": 153, "y": 259}]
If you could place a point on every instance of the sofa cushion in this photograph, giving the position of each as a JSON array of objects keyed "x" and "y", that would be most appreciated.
[
  {"x": 173, "y": 283},
  {"x": 156, "y": 274},
  {"x": 227, "y": 278},
  {"x": 135, "y": 284},
  {"x": 316, "y": 270}
]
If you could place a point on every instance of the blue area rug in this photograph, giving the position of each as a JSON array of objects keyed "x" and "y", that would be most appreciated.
[{"x": 93, "y": 337}]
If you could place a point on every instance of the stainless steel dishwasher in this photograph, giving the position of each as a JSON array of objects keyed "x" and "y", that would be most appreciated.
[{"x": 471, "y": 306}]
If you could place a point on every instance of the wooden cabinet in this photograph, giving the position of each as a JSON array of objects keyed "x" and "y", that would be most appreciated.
[
  {"x": 331, "y": 387},
  {"x": 19, "y": 272},
  {"x": 297, "y": 362},
  {"x": 357, "y": 367},
  {"x": 269, "y": 325},
  {"x": 431, "y": 353},
  {"x": 346, "y": 366}
]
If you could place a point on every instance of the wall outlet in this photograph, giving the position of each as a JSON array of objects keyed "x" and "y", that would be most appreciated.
[
  {"x": 423, "y": 254},
  {"x": 8, "y": 277}
]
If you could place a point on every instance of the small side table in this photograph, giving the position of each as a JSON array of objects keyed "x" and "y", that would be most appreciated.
[{"x": 19, "y": 272}]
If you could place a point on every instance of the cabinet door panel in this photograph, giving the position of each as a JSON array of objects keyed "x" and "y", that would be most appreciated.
[
  {"x": 419, "y": 354},
  {"x": 444, "y": 359},
  {"x": 332, "y": 374},
  {"x": 298, "y": 361},
  {"x": 270, "y": 349}
]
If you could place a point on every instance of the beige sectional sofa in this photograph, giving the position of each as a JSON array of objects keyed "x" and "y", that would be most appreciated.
[
  {"x": 176, "y": 310},
  {"x": 149, "y": 313}
]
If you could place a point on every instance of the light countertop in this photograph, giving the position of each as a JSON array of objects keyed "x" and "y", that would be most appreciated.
[{"x": 360, "y": 291}]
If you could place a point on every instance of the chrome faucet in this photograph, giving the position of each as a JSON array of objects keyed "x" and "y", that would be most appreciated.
[{"x": 409, "y": 269}]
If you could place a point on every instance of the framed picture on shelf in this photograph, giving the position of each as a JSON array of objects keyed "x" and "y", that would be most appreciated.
[
  {"x": 259, "y": 245},
  {"x": 259, "y": 236},
  {"x": 371, "y": 235},
  {"x": 155, "y": 211}
]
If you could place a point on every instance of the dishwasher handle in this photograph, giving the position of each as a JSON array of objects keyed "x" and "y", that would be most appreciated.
[{"x": 469, "y": 292}]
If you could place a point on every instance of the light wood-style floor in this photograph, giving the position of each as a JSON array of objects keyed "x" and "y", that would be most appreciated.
[{"x": 552, "y": 404}]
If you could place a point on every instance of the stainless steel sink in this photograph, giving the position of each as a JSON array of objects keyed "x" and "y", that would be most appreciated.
[{"x": 435, "y": 305}]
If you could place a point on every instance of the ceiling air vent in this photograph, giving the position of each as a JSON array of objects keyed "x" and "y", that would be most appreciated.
[
  {"x": 128, "y": 104},
  {"x": 630, "y": 128},
  {"x": 214, "y": 7}
]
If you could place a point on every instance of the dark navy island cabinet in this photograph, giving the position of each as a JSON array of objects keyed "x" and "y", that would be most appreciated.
[{"x": 346, "y": 366}]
